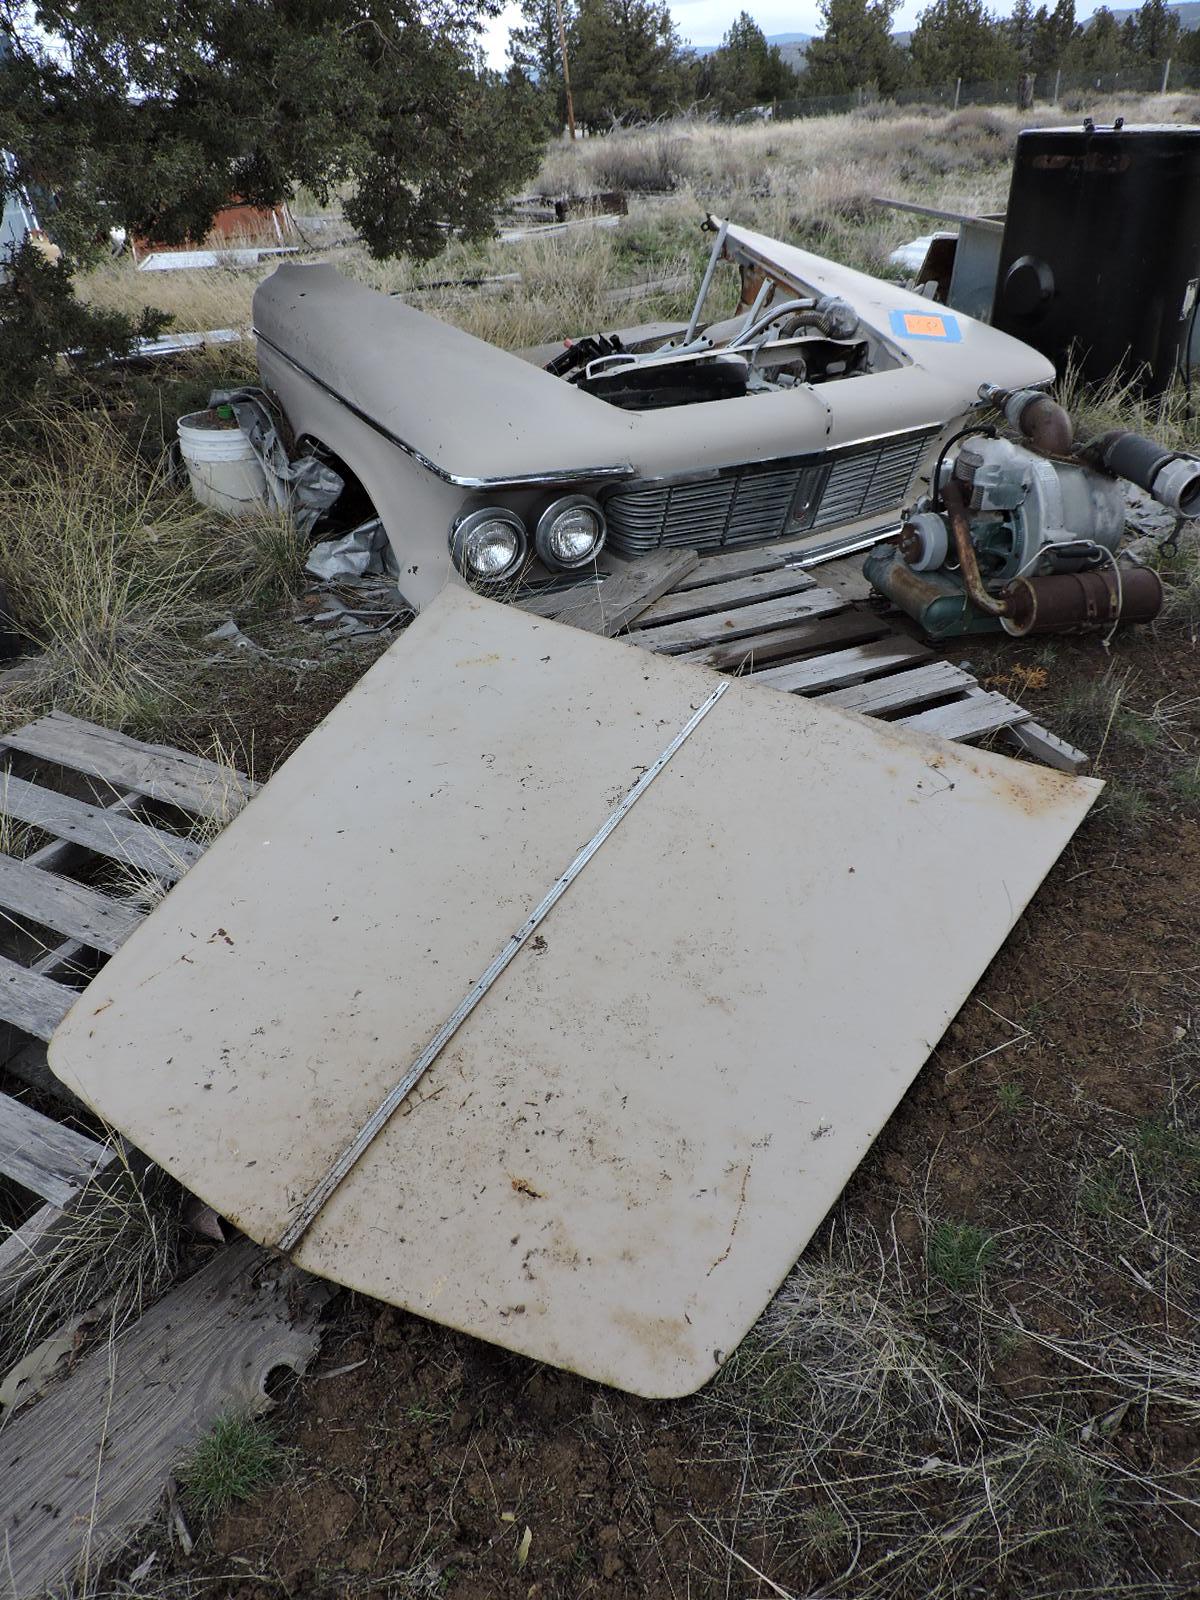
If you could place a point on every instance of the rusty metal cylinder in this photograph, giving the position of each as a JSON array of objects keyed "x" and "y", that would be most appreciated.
[
  {"x": 1042, "y": 420},
  {"x": 1070, "y": 601}
]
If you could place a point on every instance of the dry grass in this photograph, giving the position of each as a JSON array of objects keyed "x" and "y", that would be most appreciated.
[
  {"x": 808, "y": 181},
  {"x": 115, "y": 1248},
  {"x": 218, "y": 298},
  {"x": 1116, "y": 403},
  {"x": 115, "y": 570},
  {"x": 885, "y": 1454},
  {"x": 909, "y": 1432}
]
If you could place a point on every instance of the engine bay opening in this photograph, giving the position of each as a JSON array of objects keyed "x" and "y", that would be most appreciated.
[{"x": 782, "y": 334}]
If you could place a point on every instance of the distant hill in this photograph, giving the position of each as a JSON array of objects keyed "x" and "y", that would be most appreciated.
[
  {"x": 1188, "y": 12},
  {"x": 793, "y": 47}
]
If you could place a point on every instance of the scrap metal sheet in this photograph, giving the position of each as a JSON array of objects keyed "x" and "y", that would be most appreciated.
[{"x": 626, "y": 1145}]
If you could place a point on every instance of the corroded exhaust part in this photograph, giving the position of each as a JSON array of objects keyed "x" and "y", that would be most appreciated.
[
  {"x": 1043, "y": 421},
  {"x": 960, "y": 532},
  {"x": 1069, "y": 601}
]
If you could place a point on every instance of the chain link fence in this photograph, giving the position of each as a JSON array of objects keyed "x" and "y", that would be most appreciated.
[{"x": 1067, "y": 91}]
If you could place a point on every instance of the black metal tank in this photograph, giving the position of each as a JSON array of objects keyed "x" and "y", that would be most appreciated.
[{"x": 1101, "y": 249}]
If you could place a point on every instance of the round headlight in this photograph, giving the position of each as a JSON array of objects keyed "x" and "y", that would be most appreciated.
[
  {"x": 489, "y": 545},
  {"x": 570, "y": 532}
]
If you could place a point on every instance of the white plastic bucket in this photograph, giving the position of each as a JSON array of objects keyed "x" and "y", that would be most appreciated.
[{"x": 223, "y": 469}]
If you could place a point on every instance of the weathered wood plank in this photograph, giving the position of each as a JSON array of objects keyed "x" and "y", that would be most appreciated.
[
  {"x": 96, "y": 920},
  {"x": 60, "y": 854},
  {"x": 969, "y": 718},
  {"x": 646, "y": 291},
  {"x": 845, "y": 574},
  {"x": 30, "y": 1002},
  {"x": 52, "y": 1161},
  {"x": 609, "y": 606},
  {"x": 86, "y": 1465},
  {"x": 1047, "y": 747},
  {"x": 22, "y": 1250},
  {"x": 551, "y": 603},
  {"x": 737, "y": 564},
  {"x": 901, "y": 689},
  {"x": 135, "y": 844},
  {"x": 676, "y": 637},
  {"x": 202, "y": 787},
  {"x": 770, "y": 557},
  {"x": 676, "y": 607},
  {"x": 841, "y": 667},
  {"x": 781, "y": 644}
]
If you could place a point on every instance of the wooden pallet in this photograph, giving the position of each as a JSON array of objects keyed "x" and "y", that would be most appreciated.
[
  {"x": 210, "y": 1343},
  {"x": 763, "y": 615},
  {"x": 106, "y": 802}
]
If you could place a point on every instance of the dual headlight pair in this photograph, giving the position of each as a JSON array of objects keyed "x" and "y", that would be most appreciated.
[{"x": 490, "y": 545}]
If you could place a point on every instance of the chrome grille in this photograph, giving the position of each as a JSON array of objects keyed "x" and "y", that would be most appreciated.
[{"x": 746, "y": 505}]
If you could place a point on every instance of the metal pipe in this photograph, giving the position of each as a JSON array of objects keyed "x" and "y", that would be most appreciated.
[
  {"x": 960, "y": 532},
  {"x": 1068, "y": 602},
  {"x": 768, "y": 287},
  {"x": 1042, "y": 420},
  {"x": 714, "y": 257},
  {"x": 765, "y": 323}
]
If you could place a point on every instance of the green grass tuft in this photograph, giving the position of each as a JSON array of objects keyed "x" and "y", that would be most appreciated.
[
  {"x": 1125, "y": 806},
  {"x": 1168, "y": 1151},
  {"x": 1102, "y": 1194},
  {"x": 238, "y": 1458},
  {"x": 1185, "y": 786},
  {"x": 959, "y": 1254},
  {"x": 1011, "y": 1097}
]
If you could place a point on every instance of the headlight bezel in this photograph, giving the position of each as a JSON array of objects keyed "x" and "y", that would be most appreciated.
[
  {"x": 545, "y": 526},
  {"x": 471, "y": 522}
]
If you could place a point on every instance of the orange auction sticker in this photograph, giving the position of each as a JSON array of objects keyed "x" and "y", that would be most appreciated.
[{"x": 926, "y": 325}]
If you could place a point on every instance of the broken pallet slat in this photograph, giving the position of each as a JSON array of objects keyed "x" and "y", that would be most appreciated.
[
  {"x": 726, "y": 596},
  {"x": 970, "y": 718},
  {"x": 899, "y": 690},
  {"x": 134, "y": 844},
  {"x": 737, "y": 564},
  {"x": 552, "y": 603},
  {"x": 22, "y": 1250},
  {"x": 798, "y": 553},
  {"x": 839, "y": 668},
  {"x": 31, "y": 1002},
  {"x": 673, "y": 638},
  {"x": 630, "y": 587},
  {"x": 94, "y": 919},
  {"x": 85, "y": 1466},
  {"x": 1044, "y": 746},
  {"x": 202, "y": 787},
  {"x": 646, "y": 291},
  {"x": 52, "y": 1161},
  {"x": 845, "y": 574},
  {"x": 781, "y": 644}
]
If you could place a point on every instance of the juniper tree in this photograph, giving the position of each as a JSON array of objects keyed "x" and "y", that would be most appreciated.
[
  {"x": 149, "y": 116},
  {"x": 856, "y": 50}
]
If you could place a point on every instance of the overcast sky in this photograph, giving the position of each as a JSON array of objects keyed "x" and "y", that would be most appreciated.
[{"x": 706, "y": 21}]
